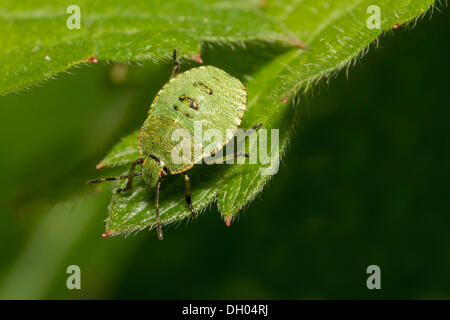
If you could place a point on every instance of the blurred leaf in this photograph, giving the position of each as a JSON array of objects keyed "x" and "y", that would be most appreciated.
[
  {"x": 36, "y": 42},
  {"x": 59, "y": 229},
  {"x": 65, "y": 235},
  {"x": 335, "y": 33}
]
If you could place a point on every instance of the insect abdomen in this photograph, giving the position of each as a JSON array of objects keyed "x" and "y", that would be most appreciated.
[{"x": 205, "y": 96}]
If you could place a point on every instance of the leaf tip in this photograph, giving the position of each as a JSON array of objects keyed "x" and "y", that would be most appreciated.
[
  {"x": 93, "y": 59},
  {"x": 297, "y": 43},
  {"x": 107, "y": 234},
  {"x": 99, "y": 166},
  {"x": 197, "y": 58},
  {"x": 263, "y": 4},
  {"x": 228, "y": 221}
]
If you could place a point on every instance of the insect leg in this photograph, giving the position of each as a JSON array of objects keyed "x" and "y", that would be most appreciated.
[
  {"x": 187, "y": 195},
  {"x": 250, "y": 131},
  {"x": 158, "y": 223},
  {"x": 113, "y": 178},
  {"x": 131, "y": 175},
  {"x": 226, "y": 158},
  {"x": 240, "y": 154},
  {"x": 176, "y": 64}
]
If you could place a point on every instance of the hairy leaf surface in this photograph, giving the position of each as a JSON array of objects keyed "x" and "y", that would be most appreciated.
[{"x": 36, "y": 43}]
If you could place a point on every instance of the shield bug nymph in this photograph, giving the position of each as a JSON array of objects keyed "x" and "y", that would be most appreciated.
[{"x": 205, "y": 94}]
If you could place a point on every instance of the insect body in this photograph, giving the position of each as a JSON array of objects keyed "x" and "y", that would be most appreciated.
[{"x": 205, "y": 95}]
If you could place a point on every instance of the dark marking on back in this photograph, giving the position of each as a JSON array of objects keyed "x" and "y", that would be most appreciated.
[
  {"x": 187, "y": 114},
  {"x": 208, "y": 89},
  {"x": 192, "y": 103}
]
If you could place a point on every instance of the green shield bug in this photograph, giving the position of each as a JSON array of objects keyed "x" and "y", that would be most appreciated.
[{"x": 206, "y": 95}]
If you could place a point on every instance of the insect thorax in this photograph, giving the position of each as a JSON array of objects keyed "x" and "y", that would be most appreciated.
[{"x": 151, "y": 170}]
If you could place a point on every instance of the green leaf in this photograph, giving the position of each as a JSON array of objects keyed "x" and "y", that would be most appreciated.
[
  {"x": 36, "y": 43},
  {"x": 125, "y": 152},
  {"x": 335, "y": 34}
]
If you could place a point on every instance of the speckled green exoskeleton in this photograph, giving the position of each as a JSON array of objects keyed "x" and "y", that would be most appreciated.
[{"x": 205, "y": 94}]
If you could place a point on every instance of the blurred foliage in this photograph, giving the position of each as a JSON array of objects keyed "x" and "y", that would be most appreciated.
[{"x": 365, "y": 184}]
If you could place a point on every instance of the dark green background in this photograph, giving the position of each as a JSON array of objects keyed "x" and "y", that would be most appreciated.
[{"x": 365, "y": 181}]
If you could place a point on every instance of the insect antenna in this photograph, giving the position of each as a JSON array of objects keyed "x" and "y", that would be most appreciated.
[{"x": 113, "y": 178}]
